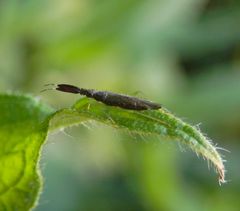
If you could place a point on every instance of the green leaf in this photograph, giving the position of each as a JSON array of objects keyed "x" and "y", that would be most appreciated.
[
  {"x": 25, "y": 122},
  {"x": 21, "y": 137},
  {"x": 160, "y": 122}
]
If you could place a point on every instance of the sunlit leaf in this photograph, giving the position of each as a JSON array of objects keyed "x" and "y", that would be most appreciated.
[
  {"x": 25, "y": 122},
  {"x": 160, "y": 122},
  {"x": 21, "y": 138}
]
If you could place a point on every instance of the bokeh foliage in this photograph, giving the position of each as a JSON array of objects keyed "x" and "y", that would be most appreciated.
[{"x": 183, "y": 54}]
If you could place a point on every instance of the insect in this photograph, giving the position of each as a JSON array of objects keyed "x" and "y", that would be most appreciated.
[{"x": 110, "y": 98}]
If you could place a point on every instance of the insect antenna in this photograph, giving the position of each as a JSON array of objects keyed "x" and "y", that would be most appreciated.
[{"x": 48, "y": 88}]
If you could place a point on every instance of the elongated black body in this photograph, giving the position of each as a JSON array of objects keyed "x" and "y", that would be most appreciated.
[{"x": 110, "y": 98}]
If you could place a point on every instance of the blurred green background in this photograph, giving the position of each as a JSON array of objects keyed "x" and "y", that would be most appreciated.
[{"x": 184, "y": 54}]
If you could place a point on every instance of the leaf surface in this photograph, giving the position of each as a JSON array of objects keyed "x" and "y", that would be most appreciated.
[
  {"x": 160, "y": 122},
  {"x": 25, "y": 123},
  {"x": 21, "y": 137}
]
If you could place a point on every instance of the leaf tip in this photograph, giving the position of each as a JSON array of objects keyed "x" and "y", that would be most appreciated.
[{"x": 221, "y": 178}]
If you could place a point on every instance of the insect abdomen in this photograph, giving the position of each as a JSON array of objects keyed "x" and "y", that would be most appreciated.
[{"x": 124, "y": 101}]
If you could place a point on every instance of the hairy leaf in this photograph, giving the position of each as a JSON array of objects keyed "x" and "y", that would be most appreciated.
[
  {"x": 160, "y": 122},
  {"x": 25, "y": 122}
]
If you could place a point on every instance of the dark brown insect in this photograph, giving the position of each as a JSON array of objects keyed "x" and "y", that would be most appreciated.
[{"x": 110, "y": 98}]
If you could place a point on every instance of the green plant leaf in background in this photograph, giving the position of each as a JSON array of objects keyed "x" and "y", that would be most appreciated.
[{"x": 25, "y": 122}]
